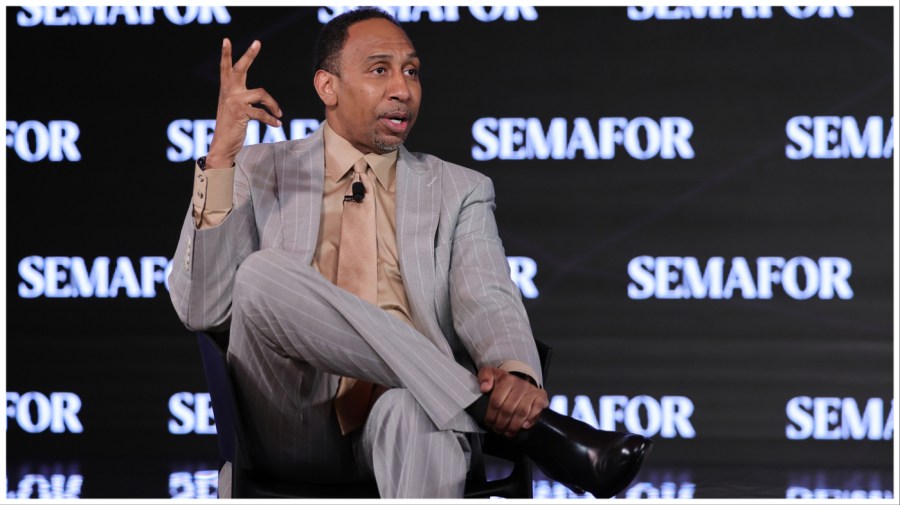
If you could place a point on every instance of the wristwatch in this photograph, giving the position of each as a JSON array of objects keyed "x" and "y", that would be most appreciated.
[{"x": 525, "y": 376}]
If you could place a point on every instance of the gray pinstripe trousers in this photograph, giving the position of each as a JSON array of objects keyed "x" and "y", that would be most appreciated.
[{"x": 293, "y": 333}]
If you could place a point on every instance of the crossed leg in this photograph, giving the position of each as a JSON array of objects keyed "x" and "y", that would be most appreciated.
[{"x": 293, "y": 333}]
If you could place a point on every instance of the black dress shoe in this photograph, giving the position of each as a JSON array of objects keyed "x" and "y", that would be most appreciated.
[{"x": 583, "y": 458}]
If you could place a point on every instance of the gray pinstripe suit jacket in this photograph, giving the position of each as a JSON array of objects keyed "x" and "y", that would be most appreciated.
[{"x": 451, "y": 258}]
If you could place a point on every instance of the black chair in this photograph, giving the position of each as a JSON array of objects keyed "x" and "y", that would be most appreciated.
[{"x": 247, "y": 483}]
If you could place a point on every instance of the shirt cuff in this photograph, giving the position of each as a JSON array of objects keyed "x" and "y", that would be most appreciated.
[
  {"x": 213, "y": 196},
  {"x": 517, "y": 366}
]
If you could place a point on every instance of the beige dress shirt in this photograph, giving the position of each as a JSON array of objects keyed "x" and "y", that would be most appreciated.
[{"x": 212, "y": 202}]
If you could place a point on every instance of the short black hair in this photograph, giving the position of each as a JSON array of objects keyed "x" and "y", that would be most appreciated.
[{"x": 330, "y": 42}]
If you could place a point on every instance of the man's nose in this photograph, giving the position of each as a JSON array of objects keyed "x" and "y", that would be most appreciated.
[{"x": 399, "y": 87}]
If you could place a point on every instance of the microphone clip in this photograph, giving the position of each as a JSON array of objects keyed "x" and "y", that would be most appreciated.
[{"x": 359, "y": 192}]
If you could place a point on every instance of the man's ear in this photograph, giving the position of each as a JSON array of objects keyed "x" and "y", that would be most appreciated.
[{"x": 324, "y": 83}]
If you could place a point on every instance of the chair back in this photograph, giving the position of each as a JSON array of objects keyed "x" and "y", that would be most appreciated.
[
  {"x": 221, "y": 392},
  {"x": 545, "y": 353}
]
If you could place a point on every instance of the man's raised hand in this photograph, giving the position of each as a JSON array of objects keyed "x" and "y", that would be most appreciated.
[{"x": 237, "y": 106}]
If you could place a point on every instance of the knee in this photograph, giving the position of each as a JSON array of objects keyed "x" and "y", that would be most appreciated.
[
  {"x": 399, "y": 399},
  {"x": 256, "y": 273},
  {"x": 246, "y": 280},
  {"x": 400, "y": 407},
  {"x": 252, "y": 267},
  {"x": 270, "y": 268}
]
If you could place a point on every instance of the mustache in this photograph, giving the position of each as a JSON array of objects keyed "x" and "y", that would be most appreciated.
[{"x": 398, "y": 113}]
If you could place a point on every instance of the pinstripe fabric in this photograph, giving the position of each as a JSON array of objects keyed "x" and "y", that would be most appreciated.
[
  {"x": 416, "y": 460},
  {"x": 292, "y": 330}
]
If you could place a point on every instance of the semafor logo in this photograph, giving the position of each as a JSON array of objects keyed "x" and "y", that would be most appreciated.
[
  {"x": 676, "y": 277},
  {"x": 641, "y": 138},
  {"x": 438, "y": 14},
  {"x": 103, "y": 15},
  {"x": 667, "y": 13}
]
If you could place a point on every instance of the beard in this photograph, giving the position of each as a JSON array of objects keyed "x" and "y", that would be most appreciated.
[{"x": 385, "y": 147}]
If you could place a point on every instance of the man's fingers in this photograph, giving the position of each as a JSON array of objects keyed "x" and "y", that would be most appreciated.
[
  {"x": 246, "y": 60},
  {"x": 537, "y": 406},
  {"x": 516, "y": 423},
  {"x": 486, "y": 379},
  {"x": 263, "y": 116},
  {"x": 506, "y": 419},
  {"x": 495, "y": 404},
  {"x": 225, "y": 62},
  {"x": 521, "y": 410},
  {"x": 252, "y": 102},
  {"x": 261, "y": 97}
]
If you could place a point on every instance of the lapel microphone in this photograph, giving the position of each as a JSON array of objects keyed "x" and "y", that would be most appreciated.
[{"x": 359, "y": 192}]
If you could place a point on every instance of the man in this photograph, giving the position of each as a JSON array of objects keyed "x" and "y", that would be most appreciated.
[{"x": 349, "y": 270}]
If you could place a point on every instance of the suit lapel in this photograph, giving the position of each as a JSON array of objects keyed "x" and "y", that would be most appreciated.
[
  {"x": 301, "y": 176},
  {"x": 418, "y": 208}
]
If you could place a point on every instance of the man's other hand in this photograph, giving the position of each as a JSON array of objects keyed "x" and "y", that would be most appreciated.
[{"x": 515, "y": 404}]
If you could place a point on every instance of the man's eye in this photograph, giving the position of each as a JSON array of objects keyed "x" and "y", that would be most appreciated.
[
  {"x": 412, "y": 72},
  {"x": 379, "y": 70}
]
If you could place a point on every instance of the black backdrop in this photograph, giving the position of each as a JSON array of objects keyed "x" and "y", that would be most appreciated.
[{"x": 726, "y": 368}]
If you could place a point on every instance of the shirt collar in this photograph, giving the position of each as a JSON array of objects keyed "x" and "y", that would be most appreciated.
[{"x": 340, "y": 156}]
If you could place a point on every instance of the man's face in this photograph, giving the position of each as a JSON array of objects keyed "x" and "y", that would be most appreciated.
[{"x": 378, "y": 91}]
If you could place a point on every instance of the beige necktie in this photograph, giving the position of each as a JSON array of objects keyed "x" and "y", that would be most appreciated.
[{"x": 358, "y": 274}]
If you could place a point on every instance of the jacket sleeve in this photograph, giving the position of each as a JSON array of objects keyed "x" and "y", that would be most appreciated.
[
  {"x": 206, "y": 260},
  {"x": 488, "y": 314}
]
